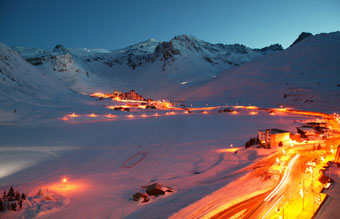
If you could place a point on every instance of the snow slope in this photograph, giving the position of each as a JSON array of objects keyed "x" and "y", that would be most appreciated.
[
  {"x": 183, "y": 152},
  {"x": 153, "y": 68},
  {"x": 26, "y": 91},
  {"x": 305, "y": 75}
]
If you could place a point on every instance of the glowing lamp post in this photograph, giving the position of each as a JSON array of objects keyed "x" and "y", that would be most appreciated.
[
  {"x": 303, "y": 198},
  {"x": 64, "y": 180}
]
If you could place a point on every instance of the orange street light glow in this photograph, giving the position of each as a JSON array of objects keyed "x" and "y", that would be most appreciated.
[
  {"x": 229, "y": 150},
  {"x": 156, "y": 114},
  {"x": 110, "y": 116},
  {"x": 144, "y": 115},
  {"x": 251, "y": 107},
  {"x": 73, "y": 115},
  {"x": 205, "y": 112},
  {"x": 92, "y": 115},
  {"x": 68, "y": 187},
  {"x": 130, "y": 116},
  {"x": 65, "y": 118},
  {"x": 97, "y": 94},
  {"x": 253, "y": 113}
]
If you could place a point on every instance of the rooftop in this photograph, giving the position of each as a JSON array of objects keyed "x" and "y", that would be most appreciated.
[{"x": 274, "y": 131}]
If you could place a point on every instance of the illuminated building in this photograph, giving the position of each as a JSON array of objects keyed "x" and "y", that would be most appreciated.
[{"x": 272, "y": 137}]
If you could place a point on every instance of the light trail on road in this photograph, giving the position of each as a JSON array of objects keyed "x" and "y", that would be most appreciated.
[
  {"x": 284, "y": 180},
  {"x": 272, "y": 207}
]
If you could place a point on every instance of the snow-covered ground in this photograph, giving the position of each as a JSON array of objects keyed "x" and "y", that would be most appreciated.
[
  {"x": 180, "y": 151},
  {"x": 107, "y": 161}
]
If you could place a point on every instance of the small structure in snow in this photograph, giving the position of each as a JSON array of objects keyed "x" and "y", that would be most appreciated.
[
  {"x": 157, "y": 189},
  {"x": 141, "y": 197}
]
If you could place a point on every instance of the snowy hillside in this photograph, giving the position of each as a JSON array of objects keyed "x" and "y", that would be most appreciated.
[
  {"x": 24, "y": 88},
  {"x": 147, "y": 66},
  {"x": 306, "y": 75}
]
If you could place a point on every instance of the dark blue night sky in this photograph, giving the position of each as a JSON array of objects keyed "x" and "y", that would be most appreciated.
[{"x": 118, "y": 23}]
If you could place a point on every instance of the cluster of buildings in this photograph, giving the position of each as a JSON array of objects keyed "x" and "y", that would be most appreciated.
[
  {"x": 131, "y": 95},
  {"x": 277, "y": 137}
]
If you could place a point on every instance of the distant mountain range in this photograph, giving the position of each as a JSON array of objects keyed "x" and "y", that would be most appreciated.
[
  {"x": 185, "y": 68},
  {"x": 182, "y": 59}
]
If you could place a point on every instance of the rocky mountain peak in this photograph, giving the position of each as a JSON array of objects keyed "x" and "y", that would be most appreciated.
[
  {"x": 301, "y": 37},
  {"x": 60, "y": 49},
  {"x": 273, "y": 47}
]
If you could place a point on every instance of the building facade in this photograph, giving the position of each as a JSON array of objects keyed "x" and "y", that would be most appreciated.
[{"x": 270, "y": 138}]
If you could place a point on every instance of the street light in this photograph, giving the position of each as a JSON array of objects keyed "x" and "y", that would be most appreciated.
[
  {"x": 303, "y": 198},
  {"x": 302, "y": 195}
]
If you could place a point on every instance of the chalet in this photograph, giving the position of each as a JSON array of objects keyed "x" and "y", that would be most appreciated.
[
  {"x": 273, "y": 137},
  {"x": 157, "y": 189},
  {"x": 306, "y": 131}
]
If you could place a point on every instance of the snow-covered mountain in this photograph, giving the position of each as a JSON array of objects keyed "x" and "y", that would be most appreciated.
[
  {"x": 306, "y": 75},
  {"x": 146, "y": 66},
  {"x": 185, "y": 68},
  {"x": 24, "y": 88}
]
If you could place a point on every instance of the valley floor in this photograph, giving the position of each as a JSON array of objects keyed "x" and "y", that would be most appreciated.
[{"x": 105, "y": 163}]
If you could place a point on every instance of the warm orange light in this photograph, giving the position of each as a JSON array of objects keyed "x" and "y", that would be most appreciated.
[
  {"x": 65, "y": 118},
  {"x": 156, "y": 114},
  {"x": 130, "y": 116},
  {"x": 253, "y": 113},
  {"x": 172, "y": 113},
  {"x": 234, "y": 112},
  {"x": 251, "y": 107},
  {"x": 186, "y": 112},
  {"x": 73, "y": 115},
  {"x": 204, "y": 112},
  {"x": 97, "y": 94},
  {"x": 110, "y": 115},
  {"x": 92, "y": 115},
  {"x": 66, "y": 187},
  {"x": 229, "y": 149},
  {"x": 144, "y": 115}
]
